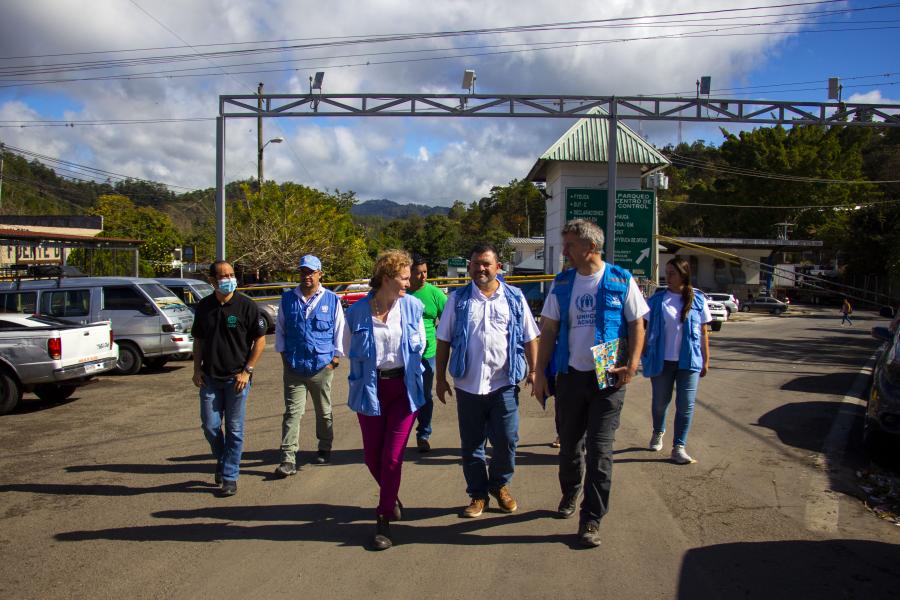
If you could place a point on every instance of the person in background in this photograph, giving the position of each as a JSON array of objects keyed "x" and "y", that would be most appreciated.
[
  {"x": 433, "y": 299},
  {"x": 384, "y": 339},
  {"x": 309, "y": 335},
  {"x": 846, "y": 311},
  {"x": 229, "y": 337},
  {"x": 676, "y": 353}
]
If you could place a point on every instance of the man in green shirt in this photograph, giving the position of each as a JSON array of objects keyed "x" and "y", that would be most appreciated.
[{"x": 434, "y": 300}]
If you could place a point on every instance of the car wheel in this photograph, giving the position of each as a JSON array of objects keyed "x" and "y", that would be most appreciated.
[
  {"x": 129, "y": 361},
  {"x": 716, "y": 325},
  {"x": 157, "y": 362},
  {"x": 10, "y": 393},
  {"x": 51, "y": 392},
  {"x": 269, "y": 325}
]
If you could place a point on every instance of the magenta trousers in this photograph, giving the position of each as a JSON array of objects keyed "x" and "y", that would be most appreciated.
[{"x": 384, "y": 440}]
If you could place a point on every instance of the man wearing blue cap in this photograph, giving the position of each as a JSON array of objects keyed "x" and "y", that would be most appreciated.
[{"x": 309, "y": 335}]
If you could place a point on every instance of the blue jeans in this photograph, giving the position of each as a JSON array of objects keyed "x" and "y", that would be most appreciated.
[
  {"x": 493, "y": 417},
  {"x": 423, "y": 431},
  {"x": 685, "y": 384},
  {"x": 220, "y": 403}
]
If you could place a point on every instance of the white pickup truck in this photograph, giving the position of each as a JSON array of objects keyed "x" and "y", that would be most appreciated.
[{"x": 50, "y": 357}]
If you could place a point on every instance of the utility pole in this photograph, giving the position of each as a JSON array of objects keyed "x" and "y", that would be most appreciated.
[
  {"x": 259, "y": 141},
  {"x": 1, "y": 176}
]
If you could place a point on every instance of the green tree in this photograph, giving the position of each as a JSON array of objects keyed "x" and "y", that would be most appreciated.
[{"x": 270, "y": 234}]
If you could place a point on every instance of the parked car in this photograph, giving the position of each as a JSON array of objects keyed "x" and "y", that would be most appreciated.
[
  {"x": 765, "y": 304},
  {"x": 882, "y": 422},
  {"x": 732, "y": 304},
  {"x": 351, "y": 293},
  {"x": 719, "y": 314},
  {"x": 151, "y": 323},
  {"x": 50, "y": 357},
  {"x": 268, "y": 298}
]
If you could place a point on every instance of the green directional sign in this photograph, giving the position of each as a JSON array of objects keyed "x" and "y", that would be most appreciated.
[
  {"x": 457, "y": 261},
  {"x": 634, "y": 222}
]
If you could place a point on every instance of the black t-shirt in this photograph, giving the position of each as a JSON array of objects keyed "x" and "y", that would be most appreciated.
[{"x": 227, "y": 332}]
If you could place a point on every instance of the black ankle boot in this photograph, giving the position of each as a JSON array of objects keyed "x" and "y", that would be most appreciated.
[{"x": 382, "y": 539}]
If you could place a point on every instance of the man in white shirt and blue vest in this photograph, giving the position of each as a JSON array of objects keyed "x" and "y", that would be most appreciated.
[
  {"x": 489, "y": 338},
  {"x": 309, "y": 335},
  {"x": 591, "y": 303}
]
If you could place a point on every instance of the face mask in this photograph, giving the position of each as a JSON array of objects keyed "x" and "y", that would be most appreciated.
[{"x": 228, "y": 285}]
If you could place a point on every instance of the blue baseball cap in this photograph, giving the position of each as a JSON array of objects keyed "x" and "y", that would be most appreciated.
[{"x": 310, "y": 262}]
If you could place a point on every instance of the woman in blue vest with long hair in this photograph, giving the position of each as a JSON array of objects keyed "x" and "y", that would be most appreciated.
[
  {"x": 384, "y": 339},
  {"x": 676, "y": 354}
]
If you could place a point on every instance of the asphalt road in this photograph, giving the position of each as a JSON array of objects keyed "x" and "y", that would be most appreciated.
[{"x": 110, "y": 495}]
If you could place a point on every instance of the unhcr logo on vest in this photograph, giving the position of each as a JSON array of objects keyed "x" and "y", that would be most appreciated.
[{"x": 585, "y": 303}]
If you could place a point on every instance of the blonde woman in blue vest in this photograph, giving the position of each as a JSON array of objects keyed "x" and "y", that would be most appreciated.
[
  {"x": 676, "y": 354},
  {"x": 384, "y": 339}
]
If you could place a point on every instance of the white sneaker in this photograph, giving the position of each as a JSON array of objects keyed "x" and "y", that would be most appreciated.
[
  {"x": 680, "y": 457},
  {"x": 656, "y": 441}
]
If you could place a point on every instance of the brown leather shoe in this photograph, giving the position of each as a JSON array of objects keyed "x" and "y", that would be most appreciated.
[
  {"x": 475, "y": 508},
  {"x": 506, "y": 502}
]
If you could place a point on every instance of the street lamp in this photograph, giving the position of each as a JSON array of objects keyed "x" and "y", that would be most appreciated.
[{"x": 259, "y": 162}]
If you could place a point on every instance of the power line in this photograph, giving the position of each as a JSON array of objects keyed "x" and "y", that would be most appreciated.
[
  {"x": 377, "y": 38},
  {"x": 170, "y": 74},
  {"x": 727, "y": 169},
  {"x": 782, "y": 207}
]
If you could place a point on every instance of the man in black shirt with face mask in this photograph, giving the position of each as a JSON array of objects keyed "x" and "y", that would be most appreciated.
[{"x": 229, "y": 337}]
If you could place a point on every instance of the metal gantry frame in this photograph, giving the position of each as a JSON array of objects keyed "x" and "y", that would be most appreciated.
[{"x": 541, "y": 106}]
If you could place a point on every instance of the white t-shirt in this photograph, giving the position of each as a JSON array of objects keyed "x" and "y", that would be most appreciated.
[
  {"x": 387, "y": 337},
  {"x": 671, "y": 307},
  {"x": 582, "y": 314},
  {"x": 487, "y": 368}
]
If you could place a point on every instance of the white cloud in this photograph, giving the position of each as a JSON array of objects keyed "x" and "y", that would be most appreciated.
[{"x": 432, "y": 161}]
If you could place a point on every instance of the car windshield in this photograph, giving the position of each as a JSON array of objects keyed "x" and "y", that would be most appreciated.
[
  {"x": 162, "y": 296},
  {"x": 202, "y": 290}
]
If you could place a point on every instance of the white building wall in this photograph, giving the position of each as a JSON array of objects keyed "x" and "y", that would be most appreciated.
[{"x": 560, "y": 177}]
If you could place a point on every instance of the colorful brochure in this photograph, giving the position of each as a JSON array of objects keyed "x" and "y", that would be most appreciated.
[{"x": 607, "y": 356}]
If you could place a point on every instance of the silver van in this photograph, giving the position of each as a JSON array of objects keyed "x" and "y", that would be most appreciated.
[{"x": 149, "y": 322}]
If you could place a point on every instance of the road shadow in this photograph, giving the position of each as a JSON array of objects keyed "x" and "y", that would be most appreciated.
[
  {"x": 827, "y": 348},
  {"x": 829, "y": 383},
  {"x": 33, "y": 405},
  {"x": 792, "y": 569},
  {"x": 806, "y": 424},
  {"x": 341, "y": 525},
  {"x": 112, "y": 490},
  {"x": 207, "y": 468}
]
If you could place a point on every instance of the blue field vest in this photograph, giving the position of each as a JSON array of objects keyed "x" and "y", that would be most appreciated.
[
  {"x": 690, "y": 357},
  {"x": 515, "y": 348},
  {"x": 363, "y": 378},
  {"x": 309, "y": 340},
  {"x": 608, "y": 303}
]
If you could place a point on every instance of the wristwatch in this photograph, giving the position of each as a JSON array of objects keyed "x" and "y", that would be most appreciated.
[{"x": 248, "y": 369}]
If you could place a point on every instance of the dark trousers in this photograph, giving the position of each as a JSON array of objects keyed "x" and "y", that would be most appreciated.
[{"x": 588, "y": 419}]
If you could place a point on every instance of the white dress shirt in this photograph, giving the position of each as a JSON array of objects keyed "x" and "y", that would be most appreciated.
[
  {"x": 387, "y": 337},
  {"x": 487, "y": 365}
]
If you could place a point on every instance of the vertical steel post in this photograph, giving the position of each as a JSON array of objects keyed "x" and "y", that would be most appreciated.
[
  {"x": 220, "y": 188},
  {"x": 612, "y": 150},
  {"x": 259, "y": 141},
  {"x": 654, "y": 240}
]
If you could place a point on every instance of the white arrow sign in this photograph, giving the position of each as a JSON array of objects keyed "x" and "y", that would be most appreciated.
[{"x": 644, "y": 254}]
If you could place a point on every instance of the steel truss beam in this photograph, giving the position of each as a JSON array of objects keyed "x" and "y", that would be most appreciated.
[{"x": 640, "y": 108}]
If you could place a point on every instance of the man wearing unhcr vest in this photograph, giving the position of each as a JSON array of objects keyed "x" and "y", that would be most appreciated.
[
  {"x": 591, "y": 303},
  {"x": 309, "y": 335},
  {"x": 489, "y": 338}
]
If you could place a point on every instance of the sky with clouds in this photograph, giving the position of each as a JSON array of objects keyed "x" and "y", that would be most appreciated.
[{"x": 55, "y": 66}]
